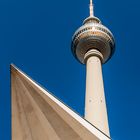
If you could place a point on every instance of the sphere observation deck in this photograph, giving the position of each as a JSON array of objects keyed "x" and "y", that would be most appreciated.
[{"x": 92, "y": 35}]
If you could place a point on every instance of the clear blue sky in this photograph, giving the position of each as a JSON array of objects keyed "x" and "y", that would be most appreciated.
[{"x": 36, "y": 36}]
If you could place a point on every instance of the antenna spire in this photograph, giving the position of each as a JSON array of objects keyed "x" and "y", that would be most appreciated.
[{"x": 91, "y": 8}]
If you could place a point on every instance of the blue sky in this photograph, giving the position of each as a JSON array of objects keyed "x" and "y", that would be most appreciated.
[{"x": 35, "y": 35}]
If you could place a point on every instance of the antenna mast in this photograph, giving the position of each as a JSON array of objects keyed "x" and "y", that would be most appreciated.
[{"x": 91, "y": 8}]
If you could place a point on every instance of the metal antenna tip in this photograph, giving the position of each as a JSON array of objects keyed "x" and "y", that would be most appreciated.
[{"x": 91, "y": 8}]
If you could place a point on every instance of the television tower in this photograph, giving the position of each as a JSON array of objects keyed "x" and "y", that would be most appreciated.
[{"x": 93, "y": 44}]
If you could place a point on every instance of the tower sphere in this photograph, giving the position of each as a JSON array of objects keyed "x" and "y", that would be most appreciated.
[{"x": 92, "y": 35}]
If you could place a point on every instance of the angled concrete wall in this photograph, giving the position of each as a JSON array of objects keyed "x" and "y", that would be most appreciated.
[{"x": 37, "y": 115}]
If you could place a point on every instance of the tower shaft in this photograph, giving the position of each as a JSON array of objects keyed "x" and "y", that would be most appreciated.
[{"x": 95, "y": 104}]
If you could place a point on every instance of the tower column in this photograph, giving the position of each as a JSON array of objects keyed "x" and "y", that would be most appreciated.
[{"x": 95, "y": 104}]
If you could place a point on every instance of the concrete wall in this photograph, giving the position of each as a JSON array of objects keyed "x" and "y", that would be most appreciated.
[{"x": 37, "y": 115}]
